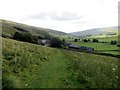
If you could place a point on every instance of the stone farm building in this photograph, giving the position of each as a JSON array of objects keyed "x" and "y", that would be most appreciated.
[
  {"x": 80, "y": 48},
  {"x": 44, "y": 42}
]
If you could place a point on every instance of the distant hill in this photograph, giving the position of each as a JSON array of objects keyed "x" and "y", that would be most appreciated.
[
  {"x": 96, "y": 31},
  {"x": 9, "y": 28}
]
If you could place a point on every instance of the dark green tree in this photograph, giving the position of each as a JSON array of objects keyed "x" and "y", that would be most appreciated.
[
  {"x": 75, "y": 40},
  {"x": 55, "y": 42},
  {"x": 113, "y": 42},
  {"x": 85, "y": 40},
  {"x": 95, "y": 40},
  {"x": 26, "y": 37},
  {"x": 63, "y": 41},
  {"x": 88, "y": 40}
]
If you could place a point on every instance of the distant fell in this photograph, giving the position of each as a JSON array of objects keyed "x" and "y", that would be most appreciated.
[{"x": 96, "y": 31}]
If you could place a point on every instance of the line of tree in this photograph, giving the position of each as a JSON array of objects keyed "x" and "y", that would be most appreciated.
[
  {"x": 27, "y": 37},
  {"x": 113, "y": 42},
  {"x": 95, "y": 40},
  {"x": 76, "y": 39},
  {"x": 86, "y": 40}
]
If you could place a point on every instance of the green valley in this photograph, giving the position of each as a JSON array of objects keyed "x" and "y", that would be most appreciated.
[
  {"x": 28, "y": 65},
  {"x": 36, "y": 65}
]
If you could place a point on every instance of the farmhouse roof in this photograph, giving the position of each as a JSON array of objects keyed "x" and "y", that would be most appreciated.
[{"x": 73, "y": 46}]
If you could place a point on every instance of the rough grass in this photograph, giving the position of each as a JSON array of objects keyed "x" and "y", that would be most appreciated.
[
  {"x": 93, "y": 70},
  {"x": 21, "y": 58},
  {"x": 112, "y": 52},
  {"x": 28, "y": 65},
  {"x": 32, "y": 66}
]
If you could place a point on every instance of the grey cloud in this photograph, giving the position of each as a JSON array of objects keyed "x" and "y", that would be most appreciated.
[
  {"x": 80, "y": 22},
  {"x": 41, "y": 15},
  {"x": 65, "y": 16}
]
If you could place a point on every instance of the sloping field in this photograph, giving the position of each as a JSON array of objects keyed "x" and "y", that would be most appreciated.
[{"x": 28, "y": 65}]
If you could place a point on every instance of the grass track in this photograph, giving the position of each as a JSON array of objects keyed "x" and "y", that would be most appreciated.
[{"x": 51, "y": 72}]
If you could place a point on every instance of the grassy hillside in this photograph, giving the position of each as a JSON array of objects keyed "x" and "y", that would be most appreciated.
[
  {"x": 9, "y": 28},
  {"x": 96, "y": 31},
  {"x": 28, "y": 65}
]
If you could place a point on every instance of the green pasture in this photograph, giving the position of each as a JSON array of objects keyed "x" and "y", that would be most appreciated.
[{"x": 97, "y": 46}]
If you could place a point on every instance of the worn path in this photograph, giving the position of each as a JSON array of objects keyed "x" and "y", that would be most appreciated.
[{"x": 52, "y": 73}]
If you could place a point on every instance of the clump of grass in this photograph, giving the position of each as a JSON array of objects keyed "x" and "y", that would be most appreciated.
[{"x": 10, "y": 82}]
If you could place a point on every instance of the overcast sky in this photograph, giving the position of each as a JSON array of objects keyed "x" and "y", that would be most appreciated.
[{"x": 62, "y": 15}]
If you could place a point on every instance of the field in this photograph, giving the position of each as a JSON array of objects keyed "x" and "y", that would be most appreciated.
[
  {"x": 99, "y": 46},
  {"x": 28, "y": 65},
  {"x": 105, "y": 38}
]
